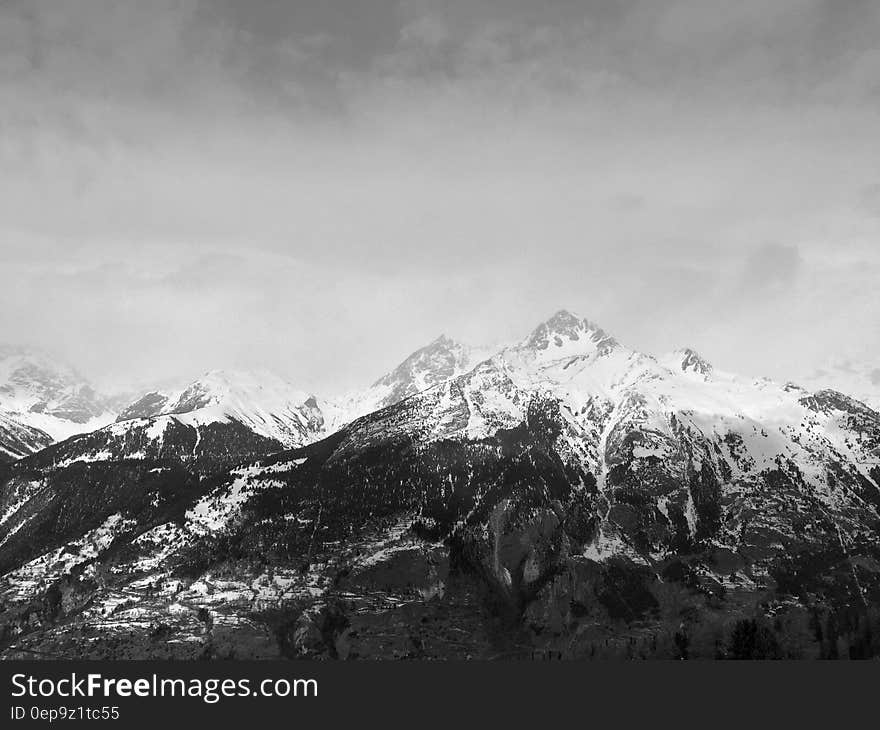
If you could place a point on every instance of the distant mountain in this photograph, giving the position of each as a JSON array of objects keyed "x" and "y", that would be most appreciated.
[
  {"x": 40, "y": 394},
  {"x": 40, "y": 398},
  {"x": 262, "y": 401},
  {"x": 858, "y": 379},
  {"x": 688, "y": 361},
  {"x": 222, "y": 418},
  {"x": 435, "y": 363},
  {"x": 565, "y": 496},
  {"x": 259, "y": 412}
]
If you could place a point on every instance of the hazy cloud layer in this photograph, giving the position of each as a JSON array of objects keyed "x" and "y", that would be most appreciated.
[{"x": 323, "y": 187}]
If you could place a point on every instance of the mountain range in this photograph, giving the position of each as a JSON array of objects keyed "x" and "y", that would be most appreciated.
[{"x": 563, "y": 495}]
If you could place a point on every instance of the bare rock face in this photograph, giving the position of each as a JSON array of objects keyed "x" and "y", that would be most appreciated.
[
  {"x": 691, "y": 361},
  {"x": 147, "y": 406}
]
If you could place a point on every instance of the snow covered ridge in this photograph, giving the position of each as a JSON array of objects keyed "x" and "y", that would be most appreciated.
[
  {"x": 37, "y": 392},
  {"x": 626, "y": 411},
  {"x": 275, "y": 409},
  {"x": 262, "y": 401},
  {"x": 861, "y": 380},
  {"x": 630, "y": 418},
  {"x": 436, "y": 363},
  {"x": 567, "y": 355}
]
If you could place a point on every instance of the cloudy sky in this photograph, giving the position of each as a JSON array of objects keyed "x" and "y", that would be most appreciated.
[{"x": 321, "y": 186}]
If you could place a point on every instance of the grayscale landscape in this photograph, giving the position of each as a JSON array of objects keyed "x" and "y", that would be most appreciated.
[{"x": 439, "y": 330}]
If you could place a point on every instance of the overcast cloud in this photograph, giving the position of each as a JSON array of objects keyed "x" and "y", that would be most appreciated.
[{"x": 322, "y": 187}]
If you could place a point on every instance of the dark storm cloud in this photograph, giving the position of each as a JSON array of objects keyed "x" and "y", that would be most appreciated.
[
  {"x": 792, "y": 47},
  {"x": 355, "y": 32}
]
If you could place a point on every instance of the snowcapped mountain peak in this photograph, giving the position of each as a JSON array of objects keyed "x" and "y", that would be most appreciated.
[
  {"x": 564, "y": 319},
  {"x": 48, "y": 395},
  {"x": 229, "y": 387},
  {"x": 263, "y": 401},
  {"x": 149, "y": 404},
  {"x": 859, "y": 378},
  {"x": 566, "y": 334},
  {"x": 688, "y": 360},
  {"x": 438, "y": 361},
  {"x": 28, "y": 374},
  {"x": 232, "y": 389}
]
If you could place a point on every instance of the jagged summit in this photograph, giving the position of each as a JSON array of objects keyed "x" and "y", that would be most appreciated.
[
  {"x": 261, "y": 400},
  {"x": 690, "y": 360},
  {"x": 859, "y": 378},
  {"x": 562, "y": 337},
  {"x": 566, "y": 331},
  {"x": 32, "y": 375},
  {"x": 149, "y": 404},
  {"x": 563, "y": 319},
  {"x": 434, "y": 363},
  {"x": 49, "y": 395}
]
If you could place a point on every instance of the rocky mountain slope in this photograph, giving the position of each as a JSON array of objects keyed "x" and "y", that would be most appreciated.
[
  {"x": 859, "y": 379},
  {"x": 18, "y": 440},
  {"x": 567, "y": 496},
  {"x": 436, "y": 362},
  {"x": 259, "y": 413},
  {"x": 263, "y": 402},
  {"x": 215, "y": 422}
]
